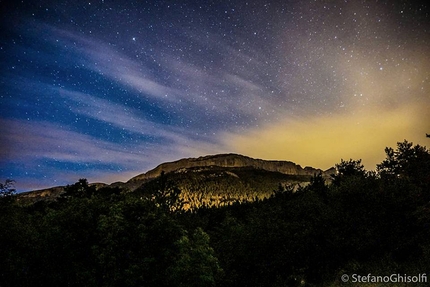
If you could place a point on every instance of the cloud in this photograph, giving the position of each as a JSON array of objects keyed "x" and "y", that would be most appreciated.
[
  {"x": 321, "y": 141},
  {"x": 105, "y": 60},
  {"x": 42, "y": 140},
  {"x": 129, "y": 119},
  {"x": 37, "y": 148},
  {"x": 120, "y": 116},
  {"x": 312, "y": 98},
  {"x": 235, "y": 87}
]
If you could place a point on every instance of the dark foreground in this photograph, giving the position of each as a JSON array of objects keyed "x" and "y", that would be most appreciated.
[{"x": 362, "y": 222}]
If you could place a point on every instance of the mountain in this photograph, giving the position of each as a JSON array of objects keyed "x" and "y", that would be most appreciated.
[
  {"x": 212, "y": 180},
  {"x": 217, "y": 180},
  {"x": 229, "y": 161}
]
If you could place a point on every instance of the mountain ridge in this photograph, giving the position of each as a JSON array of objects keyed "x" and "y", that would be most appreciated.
[
  {"x": 219, "y": 164},
  {"x": 231, "y": 160}
]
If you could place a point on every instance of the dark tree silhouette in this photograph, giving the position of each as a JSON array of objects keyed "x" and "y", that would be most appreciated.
[
  {"x": 7, "y": 188},
  {"x": 346, "y": 169},
  {"x": 163, "y": 193},
  {"x": 308, "y": 237},
  {"x": 79, "y": 189},
  {"x": 407, "y": 161}
]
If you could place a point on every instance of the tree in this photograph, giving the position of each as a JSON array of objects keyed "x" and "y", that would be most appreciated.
[
  {"x": 196, "y": 264},
  {"x": 407, "y": 162},
  {"x": 7, "y": 188},
  {"x": 283, "y": 191},
  {"x": 350, "y": 168},
  {"x": 318, "y": 185},
  {"x": 80, "y": 189},
  {"x": 163, "y": 193}
]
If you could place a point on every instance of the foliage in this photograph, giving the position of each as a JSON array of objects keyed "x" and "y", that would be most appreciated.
[
  {"x": 6, "y": 189},
  {"x": 216, "y": 187},
  {"x": 163, "y": 193},
  {"x": 195, "y": 263},
  {"x": 348, "y": 169},
  {"x": 408, "y": 162},
  {"x": 362, "y": 223},
  {"x": 80, "y": 189}
]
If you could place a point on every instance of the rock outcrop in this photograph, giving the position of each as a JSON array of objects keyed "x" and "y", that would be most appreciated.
[
  {"x": 230, "y": 160},
  {"x": 221, "y": 164}
]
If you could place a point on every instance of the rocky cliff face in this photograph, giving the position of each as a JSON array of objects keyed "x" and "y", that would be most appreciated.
[
  {"x": 230, "y": 160},
  {"x": 204, "y": 164}
]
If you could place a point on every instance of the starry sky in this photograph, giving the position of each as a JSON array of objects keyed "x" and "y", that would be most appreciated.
[{"x": 108, "y": 89}]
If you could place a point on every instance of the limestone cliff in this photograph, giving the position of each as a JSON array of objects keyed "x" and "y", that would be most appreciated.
[
  {"x": 208, "y": 166},
  {"x": 230, "y": 160}
]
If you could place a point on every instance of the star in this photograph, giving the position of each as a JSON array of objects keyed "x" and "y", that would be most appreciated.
[{"x": 82, "y": 97}]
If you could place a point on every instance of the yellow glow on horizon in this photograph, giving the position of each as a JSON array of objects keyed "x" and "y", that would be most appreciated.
[{"x": 321, "y": 141}]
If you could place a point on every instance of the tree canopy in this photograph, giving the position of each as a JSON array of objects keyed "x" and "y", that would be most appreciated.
[
  {"x": 359, "y": 222},
  {"x": 7, "y": 188}
]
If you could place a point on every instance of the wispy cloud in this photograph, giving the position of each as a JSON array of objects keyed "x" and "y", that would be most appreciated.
[
  {"x": 118, "y": 115},
  {"x": 218, "y": 92},
  {"x": 42, "y": 140},
  {"x": 104, "y": 59},
  {"x": 40, "y": 145},
  {"x": 307, "y": 97}
]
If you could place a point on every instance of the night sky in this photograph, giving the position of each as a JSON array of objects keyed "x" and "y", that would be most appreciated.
[{"x": 107, "y": 89}]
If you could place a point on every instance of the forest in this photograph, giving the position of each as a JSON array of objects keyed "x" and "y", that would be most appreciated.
[{"x": 359, "y": 222}]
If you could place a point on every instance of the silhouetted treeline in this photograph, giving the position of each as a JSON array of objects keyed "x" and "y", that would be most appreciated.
[{"x": 361, "y": 222}]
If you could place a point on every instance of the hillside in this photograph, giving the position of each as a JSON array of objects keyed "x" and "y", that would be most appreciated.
[
  {"x": 211, "y": 180},
  {"x": 219, "y": 186},
  {"x": 320, "y": 235},
  {"x": 228, "y": 161}
]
